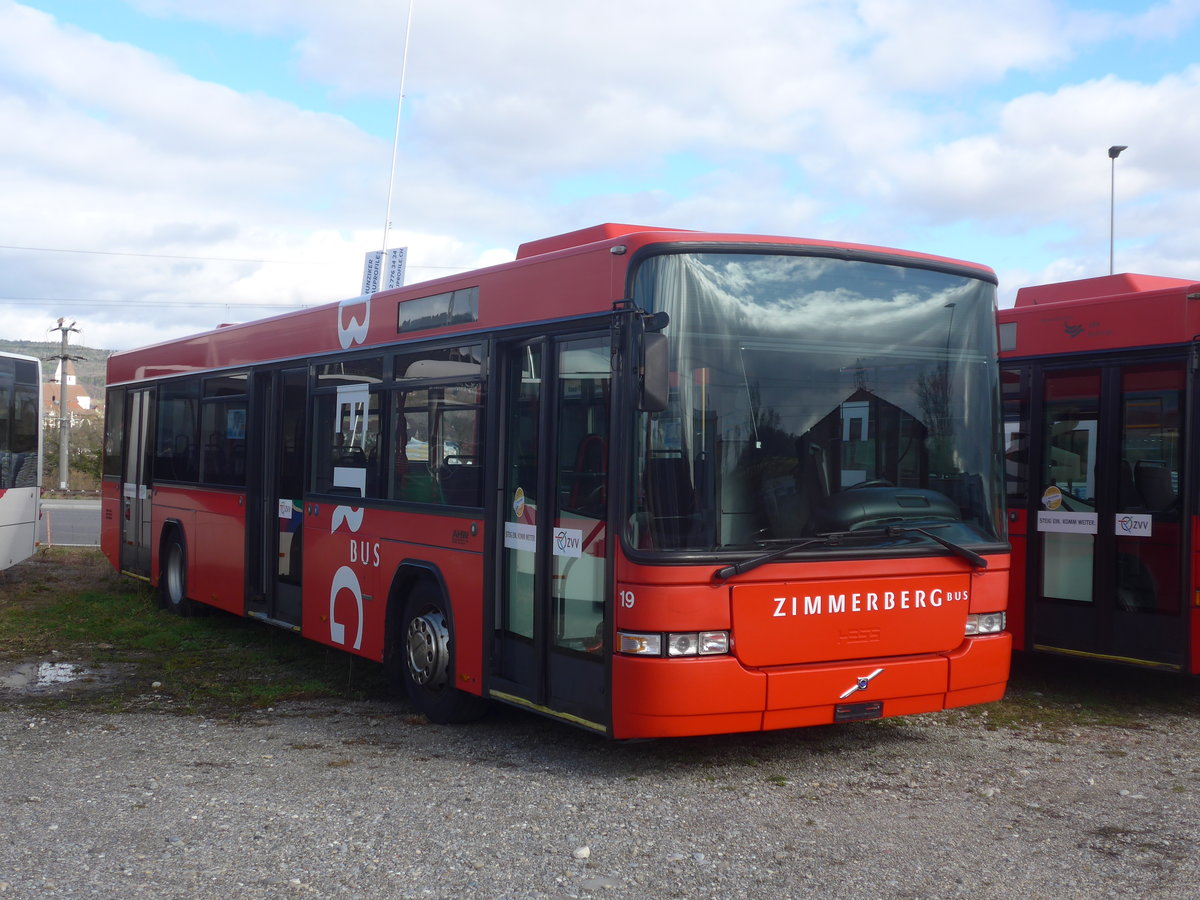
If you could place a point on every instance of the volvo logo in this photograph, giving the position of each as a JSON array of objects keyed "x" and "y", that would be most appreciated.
[{"x": 861, "y": 684}]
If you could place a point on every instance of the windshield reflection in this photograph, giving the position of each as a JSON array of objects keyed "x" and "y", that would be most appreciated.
[{"x": 814, "y": 395}]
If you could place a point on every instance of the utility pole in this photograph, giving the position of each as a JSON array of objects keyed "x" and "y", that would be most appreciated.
[{"x": 64, "y": 420}]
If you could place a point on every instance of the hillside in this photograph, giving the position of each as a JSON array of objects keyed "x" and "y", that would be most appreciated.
[{"x": 89, "y": 362}]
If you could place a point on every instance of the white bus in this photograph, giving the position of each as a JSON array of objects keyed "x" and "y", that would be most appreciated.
[{"x": 20, "y": 455}]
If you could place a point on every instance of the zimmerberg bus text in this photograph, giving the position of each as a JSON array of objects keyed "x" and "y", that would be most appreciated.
[{"x": 870, "y": 602}]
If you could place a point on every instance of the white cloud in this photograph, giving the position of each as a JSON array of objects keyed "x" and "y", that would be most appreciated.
[
  {"x": 1046, "y": 163},
  {"x": 861, "y": 121},
  {"x": 939, "y": 46}
]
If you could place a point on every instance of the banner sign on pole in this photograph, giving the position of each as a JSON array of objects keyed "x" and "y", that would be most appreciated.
[
  {"x": 380, "y": 273},
  {"x": 394, "y": 273},
  {"x": 371, "y": 271}
]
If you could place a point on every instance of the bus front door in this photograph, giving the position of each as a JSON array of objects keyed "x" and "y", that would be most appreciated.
[
  {"x": 136, "y": 493},
  {"x": 1107, "y": 578},
  {"x": 276, "y": 520},
  {"x": 552, "y": 619}
]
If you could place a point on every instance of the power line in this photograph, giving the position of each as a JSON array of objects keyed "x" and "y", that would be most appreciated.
[
  {"x": 288, "y": 262},
  {"x": 240, "y": 259},
  {"x": 213, "y": 304}
]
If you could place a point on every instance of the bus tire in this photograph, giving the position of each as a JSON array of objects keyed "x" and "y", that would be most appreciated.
[
  {"x": 172, "y": 581},
  {"x": 422, "y": 659}
]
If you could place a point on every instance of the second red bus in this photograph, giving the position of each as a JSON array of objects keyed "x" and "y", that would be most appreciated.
[{"x": 1100, "y": 393}]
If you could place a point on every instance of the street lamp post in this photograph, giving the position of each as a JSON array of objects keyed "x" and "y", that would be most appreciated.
[{"x": 1113, "y": 152}]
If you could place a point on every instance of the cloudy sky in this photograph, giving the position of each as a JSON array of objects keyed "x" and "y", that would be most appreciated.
[{"x": 168, "y": 165}]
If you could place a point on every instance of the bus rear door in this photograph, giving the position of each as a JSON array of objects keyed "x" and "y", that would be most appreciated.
[
  {"x": 136, "y": 493},
  {"x": 276, "y": 519}
]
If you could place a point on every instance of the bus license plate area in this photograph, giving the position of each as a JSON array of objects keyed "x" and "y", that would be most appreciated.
[{"x": 858, "y": 712}]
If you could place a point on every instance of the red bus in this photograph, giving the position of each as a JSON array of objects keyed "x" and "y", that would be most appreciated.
[
  {"x": 1099, "y": 386},
  {"x": 648, "y": 481}
]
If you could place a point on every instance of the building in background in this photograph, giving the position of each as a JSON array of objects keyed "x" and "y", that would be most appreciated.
[{"x": 79, "y": 403}]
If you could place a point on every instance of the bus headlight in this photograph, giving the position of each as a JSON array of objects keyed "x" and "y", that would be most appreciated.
[
  {"x": 686, "y": 644},
  {"x": 986, "y": 623},
  {"x": 714, "y": 643},
  {"x": 678, "y": 643}
]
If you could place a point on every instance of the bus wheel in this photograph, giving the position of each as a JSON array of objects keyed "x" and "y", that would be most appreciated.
[
  {"x": 172, "y": 582},
  {"x": 425, "y": 660}
]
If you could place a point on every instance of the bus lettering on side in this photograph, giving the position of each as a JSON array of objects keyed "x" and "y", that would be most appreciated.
[{"x": 349, "y": 433}]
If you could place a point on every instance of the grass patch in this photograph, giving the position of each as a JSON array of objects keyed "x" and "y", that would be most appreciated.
[
  {"x": 69, "y": 604},
  {"x": 1052, "y": 693}
]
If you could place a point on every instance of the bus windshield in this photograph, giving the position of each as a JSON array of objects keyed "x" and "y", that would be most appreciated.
[{"x": 815, "y": 396}]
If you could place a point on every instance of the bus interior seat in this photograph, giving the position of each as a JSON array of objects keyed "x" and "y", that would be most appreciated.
[
  {"x": 671, "y": 499},
  {"x": 590, "y": 476},
  {"x": 462, "y": 481},
  {"x": 1127, "y": 494},
  {"x": 415, "y": 483},
  {"x": 25, "y": 470},
  {"x": 1154, "y": 485}
]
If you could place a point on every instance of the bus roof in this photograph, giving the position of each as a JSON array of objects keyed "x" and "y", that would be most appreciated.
[
  {"x": 1112, "y": 312},
  {"x": 576, "y": 277},
  {"x": 1095, "y": 288}
]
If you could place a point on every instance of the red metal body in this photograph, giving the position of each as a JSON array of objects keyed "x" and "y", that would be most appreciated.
[
  {"x": 805, "y": 634},
  {"x": 1100, "y": 379}
]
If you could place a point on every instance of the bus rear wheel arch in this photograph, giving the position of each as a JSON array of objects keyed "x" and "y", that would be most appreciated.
[
  {"x": 172, "y": 576},
  {"x": 420, "y": 656}
]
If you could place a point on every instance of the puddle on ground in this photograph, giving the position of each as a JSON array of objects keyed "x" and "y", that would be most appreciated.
[
  {"x": 41, "y": 678},
  {"x": 58, "y": 673}
]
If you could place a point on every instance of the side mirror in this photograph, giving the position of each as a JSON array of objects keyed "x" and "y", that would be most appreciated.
[{"x": 656, "y": 385}]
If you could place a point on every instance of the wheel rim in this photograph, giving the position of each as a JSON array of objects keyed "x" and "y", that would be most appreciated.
[
  {"x": 429, "y": 650},
  {"x": 175, "y": 575}
]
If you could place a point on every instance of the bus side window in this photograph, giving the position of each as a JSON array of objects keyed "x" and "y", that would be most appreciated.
[{"x": 348, "y": 441}]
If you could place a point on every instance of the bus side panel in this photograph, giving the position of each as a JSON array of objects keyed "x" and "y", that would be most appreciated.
[
  {"x": 1192, "y": 601},
  {"x": 348, "y": 573},
  {"x": 344, "y": 603},
  {"x": 18, "y": 524},
  {"x": 1017, "y": 525},
  {"x": 214, "y": 524},
  {"x": 110, "y": 521},
  {"x": 461, "y": 573},
  {"x": 220, "y": 556}
]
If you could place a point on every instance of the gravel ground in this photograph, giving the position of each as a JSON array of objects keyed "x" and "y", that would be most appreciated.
[{"x": 368, "y": 800}]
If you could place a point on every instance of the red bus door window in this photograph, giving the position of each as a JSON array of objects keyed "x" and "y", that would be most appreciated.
[
  {"x": 135, "y": 483},
  {"x": 1108, "y": 518},
  {"x": 276, "y": 528},
  {"x": 552, "y": 627}
]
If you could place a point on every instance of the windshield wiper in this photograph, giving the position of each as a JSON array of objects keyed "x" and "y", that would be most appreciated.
[
  {"x": 725, "y": 572},
  {"x": 966, "y": 553},
  {"x": 833, "y": 538}
]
